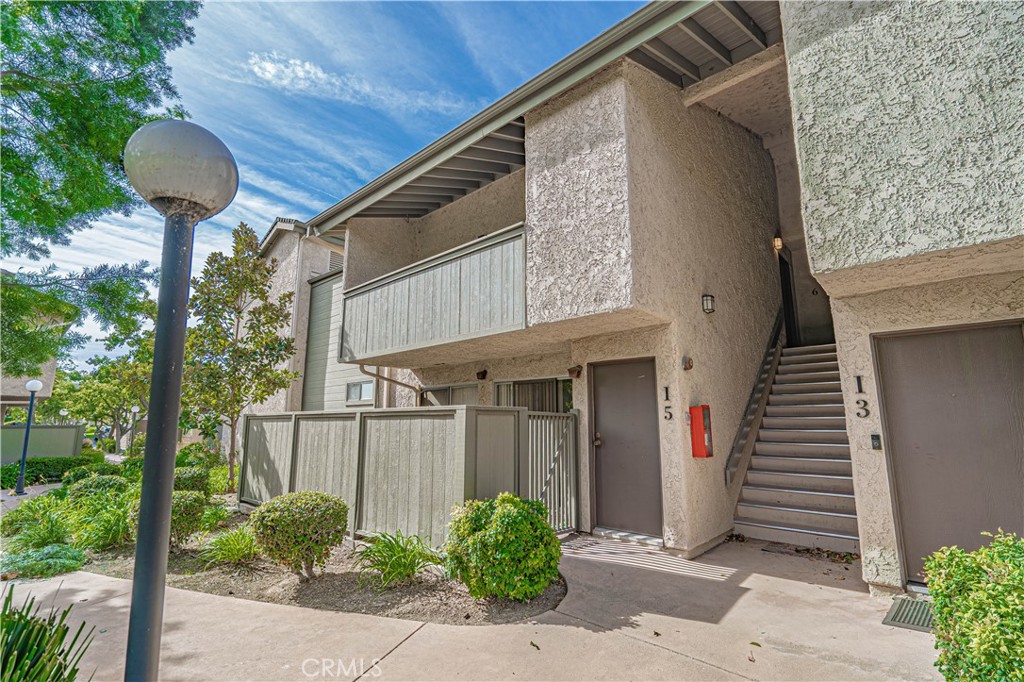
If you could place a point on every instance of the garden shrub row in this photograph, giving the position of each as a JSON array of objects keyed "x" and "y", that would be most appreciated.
[{"x": 44, "y": 469}]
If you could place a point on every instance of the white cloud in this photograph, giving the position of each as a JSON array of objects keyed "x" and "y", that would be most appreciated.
[{"x": 305, "y": 77}]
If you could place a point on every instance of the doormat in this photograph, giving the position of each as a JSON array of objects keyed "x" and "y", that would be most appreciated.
[{"x": 913, "y": 614}]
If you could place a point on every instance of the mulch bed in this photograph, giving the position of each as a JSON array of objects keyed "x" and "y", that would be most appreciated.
[{"x": 429, "y": 597}]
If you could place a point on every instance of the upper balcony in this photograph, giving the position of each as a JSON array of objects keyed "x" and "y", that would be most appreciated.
[{"x": 469, "y": 292}]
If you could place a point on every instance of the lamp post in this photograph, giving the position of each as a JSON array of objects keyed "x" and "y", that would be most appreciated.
[
  {"x": 131, "y": 438},
  {"x": 32, "y": 387},
  {"x": 64, "y": 417},
  {"x": 187, "y": 174}
]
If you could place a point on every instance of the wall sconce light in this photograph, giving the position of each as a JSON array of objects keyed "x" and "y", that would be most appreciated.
[
  {"x": 777, "y": 242},
  {"x": 687, "y": 363},
  {"x": 481, "y": 375},
  {"x": 707, "y": 303},
  {"x": 575, "y": 372}
]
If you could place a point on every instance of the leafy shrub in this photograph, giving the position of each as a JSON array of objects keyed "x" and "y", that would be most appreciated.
[
  {"x": 94, "y": 485},
  {"x": 107, "y": 445},
  {"x": 93, "y": 452},
  {"x": 49, "y": 528},
  {"x": 978, "y": 603},
  {"x": 28, "y": 513},
  {"x": 131, "y": 468},
  {"x": 138, "y": 447},
  {"x": 104, "y": 520},
  {"x": 75, "y": 475},
  {"x": 219, "y": 480},
  {"x": 42, "y": 563},
  {"x": 192, "y": 478},
  {"x": 236, "y": 547},
  {"x": 196, "y": 455},
  {"x": 298, "y": 530},
  {"x": 389, "y": 559},
  {"x": 503, "y": 547},
  {"x": 186, "y": 515},
  {"x": 41, "y": 469},
  {"x": 214, "y": 517},
  {"x": 36, "y": 647}
]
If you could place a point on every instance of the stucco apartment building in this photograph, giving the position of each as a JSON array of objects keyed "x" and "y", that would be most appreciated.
[{"x": 805, "y": 216}]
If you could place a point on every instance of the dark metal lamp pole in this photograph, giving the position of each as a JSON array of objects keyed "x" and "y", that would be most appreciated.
[
  {"x": 32, "y": 387},
  {"x": 188, "y": 175},
  {"x": 135, "y": 408}
]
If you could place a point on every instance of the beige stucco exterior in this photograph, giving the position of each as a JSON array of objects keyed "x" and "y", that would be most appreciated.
[{"x": 911, "y": 155}]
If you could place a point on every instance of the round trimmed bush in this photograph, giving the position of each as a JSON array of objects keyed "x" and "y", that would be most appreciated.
[
  {"x": 298, "y": 530},
  {"x": 192, "y": 478},
  {"x": 95, "y": 484},
  {"x": 75, "y": 475},
  {"x": 131, "y": 468},
  {"x": 187, "y": 507},
  {"x": 503, "y": 547},
  {"x": 197, "y": 455}
]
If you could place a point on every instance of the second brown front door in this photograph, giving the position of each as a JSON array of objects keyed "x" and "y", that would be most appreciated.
[{"x": 627, "y": 453}]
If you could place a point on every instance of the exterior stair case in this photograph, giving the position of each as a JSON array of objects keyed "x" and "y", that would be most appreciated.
[{"x": 799, "y": 485}]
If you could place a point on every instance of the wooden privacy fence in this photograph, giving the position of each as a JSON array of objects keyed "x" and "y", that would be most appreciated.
[
  {"x": 404, "y": 469},
  {"x": 45, "y": 440}
]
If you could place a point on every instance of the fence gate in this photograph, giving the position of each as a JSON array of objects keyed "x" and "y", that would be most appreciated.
[{"x": 551, "y": 470}]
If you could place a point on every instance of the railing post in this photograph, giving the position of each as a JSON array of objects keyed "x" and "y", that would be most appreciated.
[{"x": 293, "y": 455}]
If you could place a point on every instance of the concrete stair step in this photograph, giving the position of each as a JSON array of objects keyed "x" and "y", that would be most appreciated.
[
  {"x": 805, "y": 499},
  {"x": 807, "y": 377},
  {"x": 809, "y": 465},
  {"x": 841, "y": 522},
  {"x": 803, "y": 536},
  {"x": 801, "y": 480},
  {"x": 812, "y": 410},
  {"x": 804, "y": 359},
  {"x": 808, "y": 387},
  {"x": 806, "y": 399},
  {"x": 804, "y": 423},
  {"x": 809, "y": 350},
  {"x": 800, "y": 368},
  {"x": 803, "y": 436},
  {"x": 832, "y": 450}
]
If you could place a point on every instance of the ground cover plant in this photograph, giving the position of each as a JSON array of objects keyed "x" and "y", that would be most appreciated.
[
  {"x": 235, "y": 547},
  {"x": 978, "y": 603},
  {"x": 298, "y": 530},
  {"x": 391, "y": 558},
  {"x": 42, "y": 563},
  {"x": 503, "y": 547}
]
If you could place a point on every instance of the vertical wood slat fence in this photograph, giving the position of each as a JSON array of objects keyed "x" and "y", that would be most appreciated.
[{"x": 404, "y": 469}]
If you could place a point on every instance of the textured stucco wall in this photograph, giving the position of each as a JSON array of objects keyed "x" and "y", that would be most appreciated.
[
  {"x": 377, "y": 246},
  {"x": 908, "y": 126},
  {"x": 702, "y": 216},
  {"x": 951, "y": 302},
  {"x": 490, "y": 208},
  {"x": 577, "y": 218}
]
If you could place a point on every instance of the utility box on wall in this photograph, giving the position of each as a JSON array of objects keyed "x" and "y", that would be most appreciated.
[{"x": 700, "y": 431}]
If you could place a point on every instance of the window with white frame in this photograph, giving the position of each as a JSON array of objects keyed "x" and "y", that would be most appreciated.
[{"x": 359, "y": 392}]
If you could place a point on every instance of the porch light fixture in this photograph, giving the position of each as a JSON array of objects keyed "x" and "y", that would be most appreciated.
[
  {"x": 481, "y": 375},
  {"x": 575, "y": 372},
  {"x": 777, "y": 242},
  {"x": 187, "y": 174},
  {"x": 707, "y": 303}
]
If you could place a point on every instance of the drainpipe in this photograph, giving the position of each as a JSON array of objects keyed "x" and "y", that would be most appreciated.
[{"x": 382, "y": 377}]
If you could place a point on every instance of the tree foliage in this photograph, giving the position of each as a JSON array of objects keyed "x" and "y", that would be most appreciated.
[
  {"x": 78, "y": 78},
  {"x": 235, "y": 350}
]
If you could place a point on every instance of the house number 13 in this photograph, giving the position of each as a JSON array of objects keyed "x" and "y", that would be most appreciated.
[{"x": 668, "y": 408}]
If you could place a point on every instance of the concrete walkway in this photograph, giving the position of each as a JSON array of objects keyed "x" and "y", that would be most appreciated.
[
  {"x": 631, "y": 613},
  {"x": 8, "y": 500}
]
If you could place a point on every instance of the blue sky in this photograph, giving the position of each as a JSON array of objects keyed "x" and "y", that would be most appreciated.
[{"x": 315, "y": 99}]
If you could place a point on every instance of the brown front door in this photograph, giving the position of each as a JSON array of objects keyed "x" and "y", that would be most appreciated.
[
  {"x": 954, "y": 414},
  {"x": 627, "y": 459}
]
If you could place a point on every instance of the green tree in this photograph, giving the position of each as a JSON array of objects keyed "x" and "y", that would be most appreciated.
[
  {"x": 235, "y": 350},
  {"x": 107, "y": 393},
  {"x": 76, "y": 79}
]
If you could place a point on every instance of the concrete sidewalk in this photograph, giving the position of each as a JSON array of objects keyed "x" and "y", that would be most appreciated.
[{"x": 631, "y": 613}]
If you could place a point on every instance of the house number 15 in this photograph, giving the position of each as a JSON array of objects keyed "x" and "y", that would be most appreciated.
[{"x": 668, "y": 408}]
